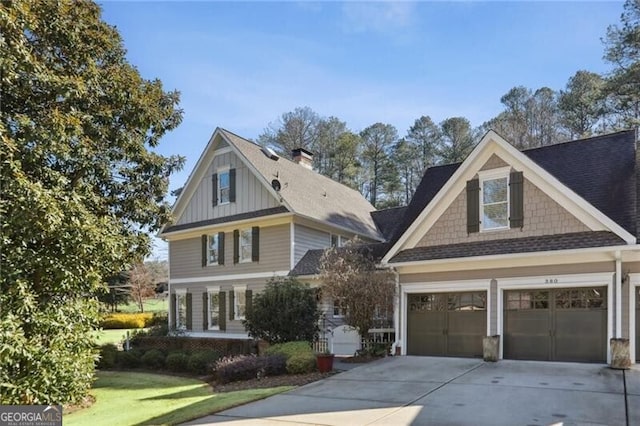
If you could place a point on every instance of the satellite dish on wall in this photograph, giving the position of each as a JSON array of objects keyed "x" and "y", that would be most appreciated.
[{"x": 275, "y": 184}]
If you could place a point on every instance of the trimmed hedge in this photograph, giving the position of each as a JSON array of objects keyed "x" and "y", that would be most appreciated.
[
  {"x": 153, "y": 359},
  {"x": 177, "y": 361},
  {"x": 124, "y": 320},
  {"x": 108, "y": 356},
  {"x": 202, "y": 361},
  {"x": 130, "y": 359},
  {"x": 246, "y": 367},
  {"x": 302, "y": 364},
  {"x": 226, "y": 347},
  {"x": 290, "y": 349}
]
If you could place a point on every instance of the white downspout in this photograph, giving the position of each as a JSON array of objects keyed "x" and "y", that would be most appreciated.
[
  {"x": 618, "y": 294},
  {"x": 396, "y": 312}
]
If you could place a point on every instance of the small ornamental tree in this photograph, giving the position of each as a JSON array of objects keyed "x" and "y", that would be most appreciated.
[
  {"x": 350, "y": 277},
  {"x": 286, "y": 311}
]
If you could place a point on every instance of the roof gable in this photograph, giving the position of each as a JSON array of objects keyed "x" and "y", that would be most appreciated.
[
  {"x": 301, "y": 191},
  {"x": 586, "y": 197}
]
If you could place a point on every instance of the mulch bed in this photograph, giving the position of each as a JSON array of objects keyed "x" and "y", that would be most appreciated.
[
  {"x": 360, "y": 359},
  {"x": 269, "y": 382}
]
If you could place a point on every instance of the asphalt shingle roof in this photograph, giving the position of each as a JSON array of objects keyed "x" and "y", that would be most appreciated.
[
  {"x": 309, "y": 193},
  {"x": 509, "y": 246},
  {"x": 309, "y": 264},
  {"x": 388, "y": 220},
  {"x": 226, "y": 219},
  {"x": 600, "y": 169}
]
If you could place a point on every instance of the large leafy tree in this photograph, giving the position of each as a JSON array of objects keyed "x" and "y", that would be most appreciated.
[
  {"x": 80, "y": 188},
  {"x": 458, "y": 139},
  {"x": 299, "y": 128},
  {"x": 377, "y": 142}
]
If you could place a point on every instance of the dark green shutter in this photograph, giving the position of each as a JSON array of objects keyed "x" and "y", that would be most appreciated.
[
  {"x": 220, "y": 248},
  {"x": 205, "y": 311},
  {"x": 473, "y": 206},
  {"x": 232, "y": 185},
  {"x": 172, "y": 313},
  {"x": 189, "y": 312},
  {"x": 232, "y": 306},
  {"x": 222, "y": 310},
  {"x": 205, "y": 250},
  {"x": 255, "y": 244},
  {"x": 214, "y": 189},
  {"x": 236, "y": 246},
  {"x": 248, "y": 298},
  {"x": 516, "y": 200}
]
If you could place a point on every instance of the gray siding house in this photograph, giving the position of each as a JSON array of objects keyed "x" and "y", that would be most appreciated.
[{"x": 244, "y": 216}]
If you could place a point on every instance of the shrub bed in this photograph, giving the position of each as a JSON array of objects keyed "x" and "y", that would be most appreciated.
[
  {"x": 108, "y": 356},
  {"x": 225, "y": 347},
  {"x": 202, "y": 361},
  {"x": 153, "y": 359},
  {"x": 124, "y": 320},
  {"x": 177, "y": 361},
  {"x": 246, "y": 367},
  {"x": 300, "y": 356}
]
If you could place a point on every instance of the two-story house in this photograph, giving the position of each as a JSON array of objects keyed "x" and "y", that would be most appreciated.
[
  {"x": 538, "y": 247},
  {"x": 244, "y": 216}
]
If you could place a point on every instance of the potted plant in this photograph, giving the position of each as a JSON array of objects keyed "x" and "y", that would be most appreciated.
[{"x": 325, "y": 361}]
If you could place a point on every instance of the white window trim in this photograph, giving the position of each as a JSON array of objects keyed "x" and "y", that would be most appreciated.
[
  {"x": 341, "y": 315},
  {"x": 220, "y": 171},
  {"x": 180, "y": 292},
  {"x": 236, "y": 290},
  {"x": 212, "y": 290},
  {"x": 209, "y": 236},
  {"x": 485, "y": 175},
  {"x": 240, "y": 258}
]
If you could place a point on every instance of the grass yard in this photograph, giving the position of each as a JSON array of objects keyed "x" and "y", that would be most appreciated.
[
  {"x": 102, "y": 337},
  {"x": 150, "y": 305},
  {"x": 126, "y": 398}
]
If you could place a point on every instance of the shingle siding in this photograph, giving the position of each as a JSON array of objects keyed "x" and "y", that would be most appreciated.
[{"x": 542, "y": 216}]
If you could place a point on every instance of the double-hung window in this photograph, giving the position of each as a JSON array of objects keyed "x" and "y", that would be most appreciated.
[
  {"x": 224, "y": 187},
  {"x": 246, "y": 245},
  {"x": 213, "y": 249},
  {"x": 494, "y": 200},
  {"x": 213, "y": 307},
  {"x": 240, "y": 301},
  {"x": 181, "y": 309}
]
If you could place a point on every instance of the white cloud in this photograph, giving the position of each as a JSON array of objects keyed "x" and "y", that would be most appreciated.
[{"x": 382, "y": 17}]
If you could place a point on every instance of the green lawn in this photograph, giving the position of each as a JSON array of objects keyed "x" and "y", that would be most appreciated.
[
  {"x": 103, "y": 337},
  {"x": 126, "y": 398},
  {"x": 150, "y": 305}
]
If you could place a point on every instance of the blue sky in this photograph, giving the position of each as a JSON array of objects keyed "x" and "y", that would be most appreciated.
[{"x": 240, "y": 65}]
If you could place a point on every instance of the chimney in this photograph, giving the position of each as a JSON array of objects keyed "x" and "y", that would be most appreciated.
[{"x": 303, "y": 157}]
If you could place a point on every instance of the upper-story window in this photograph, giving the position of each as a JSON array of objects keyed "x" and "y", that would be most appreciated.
[
  {"x": 494, "y": 201},
  {"x": 213, "y": 250},
  {"x": 246, "y": 245},
  {"x": 224, "y": 187}
]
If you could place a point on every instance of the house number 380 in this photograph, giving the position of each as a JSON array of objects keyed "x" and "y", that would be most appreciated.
[{"x": 551, "y": 281}]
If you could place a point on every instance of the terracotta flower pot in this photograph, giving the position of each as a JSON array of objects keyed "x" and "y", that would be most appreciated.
[{"x": 325, "y": 362}]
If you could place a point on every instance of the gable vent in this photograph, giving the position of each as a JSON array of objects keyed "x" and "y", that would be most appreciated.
[{"x": 270, "y": 153}]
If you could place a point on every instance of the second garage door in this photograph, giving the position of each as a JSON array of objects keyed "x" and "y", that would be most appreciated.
[
  {"x": 557, "y": 325},
  {"x": 446, "y": 324}
]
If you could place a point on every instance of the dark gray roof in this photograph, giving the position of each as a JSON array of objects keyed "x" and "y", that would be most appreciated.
[
  {"x": 310, "y": 262},
  {"x": 600, "y": 169},
  {"x": 226, "y": 219},
  {"x": 388, "y": 220},
  {"x": 574, "y": 240}
]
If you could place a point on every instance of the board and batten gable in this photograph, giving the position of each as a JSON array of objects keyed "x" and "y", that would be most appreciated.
[
  {"x": 251, "y": 194},
  {"x": 541, "y": 216},
  {"x": 185, "y": 256}
]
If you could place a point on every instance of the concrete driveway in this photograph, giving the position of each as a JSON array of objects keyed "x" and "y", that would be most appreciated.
[{"x": 452, "y": 391}]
